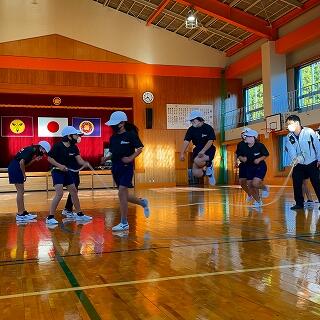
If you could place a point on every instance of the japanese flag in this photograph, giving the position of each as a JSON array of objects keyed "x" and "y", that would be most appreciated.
[{"x": 51, "y": 127}]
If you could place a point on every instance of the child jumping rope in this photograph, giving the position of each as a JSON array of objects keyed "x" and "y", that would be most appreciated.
[
  {"x": 254, "y": 155},
  {"x": 125, "y": 146},
  {"x": 202, "y": 136}
]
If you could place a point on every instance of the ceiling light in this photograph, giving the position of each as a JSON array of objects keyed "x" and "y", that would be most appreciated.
[{"x": 191, "y": 20}]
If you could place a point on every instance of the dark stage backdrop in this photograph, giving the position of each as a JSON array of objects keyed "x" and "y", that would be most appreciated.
[{"x": 91, "y": 148}]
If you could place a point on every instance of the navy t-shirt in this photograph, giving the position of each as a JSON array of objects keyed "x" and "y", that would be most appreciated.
[
  {"x": 201, "y": 135},
  {"x": 241, "y": 147},
  {"x": 65, "y": 155},
  {"x": 28, "y": 154},
  {"x": 124, "y": 145},
  {"x": 256, "y": 151}
]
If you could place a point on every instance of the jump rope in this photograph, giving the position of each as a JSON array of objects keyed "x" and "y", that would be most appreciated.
[{"x": 275, "y": 199}]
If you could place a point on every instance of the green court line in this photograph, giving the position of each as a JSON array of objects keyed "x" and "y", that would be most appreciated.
[{"x": 91, "y": 311}]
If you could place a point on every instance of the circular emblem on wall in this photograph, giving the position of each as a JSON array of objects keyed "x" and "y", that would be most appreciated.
[
  {"x": 17, "y": 126},
  {"x": 147, "y": 97},
  {"x": 56, "y": 101},
  {"x": 86, "y": 127}
]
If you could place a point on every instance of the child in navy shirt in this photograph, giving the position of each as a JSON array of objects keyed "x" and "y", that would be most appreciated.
[
  {"x": 254, "y": 154},
  {"x": 202, "y": 136},
  {"x": 59, "y": 157},
  {"x": 125, "y": 146},
  {"x": 17, "y": 175}
]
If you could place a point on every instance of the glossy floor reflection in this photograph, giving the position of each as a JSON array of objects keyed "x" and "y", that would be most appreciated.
[{"x": 202, "y": 254}]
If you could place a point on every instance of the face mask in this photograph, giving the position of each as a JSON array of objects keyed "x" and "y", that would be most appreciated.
[
  {"x": 78, "y": 139},
  {"x": 249, "y": 140},
  {"x": 73, "y": 140},
  {"x": 196, "y": 123},
  {"x": 115, "y": 128},
  {"x": 291, "y": 127}
]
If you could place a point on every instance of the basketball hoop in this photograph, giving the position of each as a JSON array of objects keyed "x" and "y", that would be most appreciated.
[{"x": 273, "y": 124}]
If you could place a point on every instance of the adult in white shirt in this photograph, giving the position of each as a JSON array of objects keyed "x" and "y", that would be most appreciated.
[{"x": 303, "y": 146}]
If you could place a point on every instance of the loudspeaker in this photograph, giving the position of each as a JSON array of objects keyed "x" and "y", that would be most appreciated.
[{"x": 149, "y": 112}]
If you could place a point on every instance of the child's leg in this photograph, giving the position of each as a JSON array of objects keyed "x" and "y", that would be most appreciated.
[
  {"x": 256, "y": 185},
  {"x": 74, "y": 196},
  {"x": 123, "y": 198},
  {"x": 198, "y": 165},
  {"x": 20, "y": 197},
  {"x": 244, "y": 185},
  {"x": 253, "y": 191},
  {"x": 133, "y": 199},
  {"x": 55, "y": 201}
]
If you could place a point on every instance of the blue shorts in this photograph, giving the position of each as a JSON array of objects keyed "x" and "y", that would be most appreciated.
[
  {"x": 61, "y": 177},
  {"x": 256, "y": 170},
  {"x": 76, "y": 178},
  {"x": 15, "y": 172},
  {"x": 210, "y": 152},
  {"x": 242, "y": 170},
  {"x": 122, "y": 174}
]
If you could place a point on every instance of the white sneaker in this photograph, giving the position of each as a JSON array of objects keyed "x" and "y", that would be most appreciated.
[
  {"x": 51, "y": 221},
  {"x": 309, "y": 204},
  {"x": 67, "y": 213},
  {"x": 120, "y": 227},
  {"x": 212, "y": 180},
  {"x": 265, "y": 192},
  {"x": 249, "y": 198},
  {"x": 32, "y": 216},
  {"x": 21, "y": 218},
  {"x": 83, "y": 217},
  {"x": 257, "y": 204},
  {"x": 146, "y": 209},
  {"x": 209, "y": 171}
]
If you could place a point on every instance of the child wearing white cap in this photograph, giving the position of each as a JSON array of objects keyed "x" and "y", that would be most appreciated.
[
  {"x": 59, "y": 157},
  {"x": 17, "y": 175},
  {"x": 125, "y": 146},
  {"x": 202, "y": 136},
  {"x": 242, "y": 166},
  {"x": 254, "y": 155}
]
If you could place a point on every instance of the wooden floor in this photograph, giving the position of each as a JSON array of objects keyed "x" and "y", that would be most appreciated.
[{"x": 201, "y": 255}]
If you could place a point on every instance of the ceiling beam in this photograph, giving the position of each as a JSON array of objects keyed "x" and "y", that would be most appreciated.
[
  {"x": 294, "y": 3},
  {"x": 299, "y": 37},
  {"x": 234, "y": 16},
  {"x": 245, "y": 43},
  {"x": 156, "y": 13},
  {"x": 295, "y": 13}
]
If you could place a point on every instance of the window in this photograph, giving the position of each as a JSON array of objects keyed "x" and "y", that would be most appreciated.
[
  {"x": 308, "y": 86},
  {"x": 253, "y": 103}
]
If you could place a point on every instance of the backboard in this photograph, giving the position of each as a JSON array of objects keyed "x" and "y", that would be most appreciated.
[{"x": 273, "y": 123}]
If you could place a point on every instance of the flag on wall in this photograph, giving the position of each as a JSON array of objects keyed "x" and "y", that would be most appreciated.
[
  {"x": 91, "y": 127},
  {"x": 18, "y": 126},
  {"x": 51, "y": 127}
]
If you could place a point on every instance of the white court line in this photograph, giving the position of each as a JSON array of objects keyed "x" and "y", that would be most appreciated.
[{"x": 125, "y": 283}]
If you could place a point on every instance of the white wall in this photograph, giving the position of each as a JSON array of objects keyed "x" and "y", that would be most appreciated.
[{"x": 91, "y": 23}]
